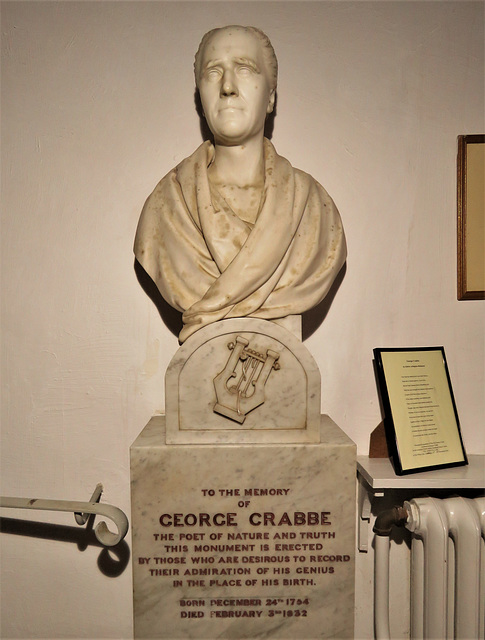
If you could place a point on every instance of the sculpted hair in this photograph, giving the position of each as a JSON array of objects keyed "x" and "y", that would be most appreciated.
[{"x": 268, "y": 52}]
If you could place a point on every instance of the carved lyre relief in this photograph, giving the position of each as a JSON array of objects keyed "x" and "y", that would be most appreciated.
[{"x": 240, "y": 385}]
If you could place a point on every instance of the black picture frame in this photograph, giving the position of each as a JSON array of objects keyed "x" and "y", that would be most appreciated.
[{"x": 420, "y": 416}]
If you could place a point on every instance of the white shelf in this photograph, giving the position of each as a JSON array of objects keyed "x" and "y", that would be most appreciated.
[
  {"x": 379, "y": 474},
  {"x": 376, "y": 476}
]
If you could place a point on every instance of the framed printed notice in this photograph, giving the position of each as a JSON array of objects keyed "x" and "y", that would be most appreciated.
[{"x": 420, "y": 416}]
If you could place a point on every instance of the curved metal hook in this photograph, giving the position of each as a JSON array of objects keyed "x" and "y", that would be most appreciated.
[{"x": 101, "y": 531}]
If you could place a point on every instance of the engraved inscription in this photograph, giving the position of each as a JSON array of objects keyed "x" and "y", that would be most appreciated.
[{"x": 247, "y": 561}]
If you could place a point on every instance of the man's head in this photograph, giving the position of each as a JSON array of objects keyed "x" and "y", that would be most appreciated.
[
  {"x": 236, "y": 73},
  {"x": 267, "y": 47}
]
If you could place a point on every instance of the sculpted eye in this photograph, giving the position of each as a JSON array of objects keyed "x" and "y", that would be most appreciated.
[
  {"x": 245, "y": 70},
  {"x": 213, "y": 73}
]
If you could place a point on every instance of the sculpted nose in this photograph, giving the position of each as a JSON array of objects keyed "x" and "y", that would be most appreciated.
[{"x": 229, "y": 86}]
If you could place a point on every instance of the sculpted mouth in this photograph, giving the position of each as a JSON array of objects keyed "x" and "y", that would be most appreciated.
[{"x": 228, "y": 106}]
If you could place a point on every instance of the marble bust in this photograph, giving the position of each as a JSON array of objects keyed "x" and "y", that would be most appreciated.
[{"x": 234, "y": 230}]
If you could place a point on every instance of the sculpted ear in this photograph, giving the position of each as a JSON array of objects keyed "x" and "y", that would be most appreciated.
[{"x": 271, "y": 101}]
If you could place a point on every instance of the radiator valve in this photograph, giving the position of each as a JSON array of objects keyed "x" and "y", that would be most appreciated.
[{"x": 397, "y": 516}]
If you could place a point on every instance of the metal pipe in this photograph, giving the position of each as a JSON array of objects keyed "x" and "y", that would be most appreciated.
[
  {"x": 428, "y": 521},
  {"x": 381, "y": 588},
  {"x": 417, "y": 588},
  {"x": 480, "y": 509},
  {"x": 464, "y": 526},
  {"x": 397, "y": 516}
]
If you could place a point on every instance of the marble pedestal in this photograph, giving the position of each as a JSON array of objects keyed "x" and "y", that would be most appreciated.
[
  {"x": 243, "y": 540},
  {"x": 231, "y": 364}
]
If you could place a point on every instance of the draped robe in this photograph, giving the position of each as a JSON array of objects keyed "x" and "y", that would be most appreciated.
[{"x": 211, "y": 265}]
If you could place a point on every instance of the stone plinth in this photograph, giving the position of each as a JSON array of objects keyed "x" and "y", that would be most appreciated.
[
  {"x": 243, "y": 541},
  {"x": 242, "y": 381}
]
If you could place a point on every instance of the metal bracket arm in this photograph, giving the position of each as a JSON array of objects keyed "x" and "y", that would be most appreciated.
[{"x": 81, "y": 511}]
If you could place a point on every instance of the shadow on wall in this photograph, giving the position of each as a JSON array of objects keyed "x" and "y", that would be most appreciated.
[
  {"x": 111, "y": 563},
  {"x": 170, "y": 316},
  {"x": 313, "y": 318}
]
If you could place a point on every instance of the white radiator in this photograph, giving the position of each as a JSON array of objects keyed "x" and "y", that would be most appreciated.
[{"x": 447, "y": 568}]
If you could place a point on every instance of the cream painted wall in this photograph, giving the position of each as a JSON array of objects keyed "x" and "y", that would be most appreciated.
[{"x": 97, "y": 105}]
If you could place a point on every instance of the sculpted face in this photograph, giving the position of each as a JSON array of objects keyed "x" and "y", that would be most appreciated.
[{"x": 234, "y": 86}]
